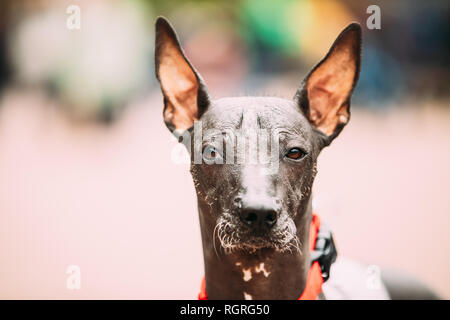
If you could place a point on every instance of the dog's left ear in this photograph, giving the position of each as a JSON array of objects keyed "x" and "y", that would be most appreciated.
[{"x": 325, "y": 94}]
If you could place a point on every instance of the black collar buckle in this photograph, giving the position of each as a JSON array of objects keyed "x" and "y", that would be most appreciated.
[{"x": 325, "y": 251}]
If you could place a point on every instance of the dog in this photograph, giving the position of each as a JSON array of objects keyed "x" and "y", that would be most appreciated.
[{"x": 256, "y": 218}]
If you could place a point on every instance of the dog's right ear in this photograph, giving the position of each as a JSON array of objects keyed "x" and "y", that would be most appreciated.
[{"x": 185, "y": 95}]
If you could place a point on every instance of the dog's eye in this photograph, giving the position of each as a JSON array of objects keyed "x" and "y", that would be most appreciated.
[
  {"x": 210, "y": 153},
  {"x": 296, "y": 153}
]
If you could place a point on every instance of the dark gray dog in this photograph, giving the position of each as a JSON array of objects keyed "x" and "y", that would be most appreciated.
[{"x": 255, "y": 217}]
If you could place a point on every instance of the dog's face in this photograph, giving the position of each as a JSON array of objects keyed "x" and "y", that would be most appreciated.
[
  {"x": 254, "y": 158},
  {"x": 264, "y": 152}
]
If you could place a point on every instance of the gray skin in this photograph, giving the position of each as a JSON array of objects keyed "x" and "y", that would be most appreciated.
[
  {"x": 225, "y": 190},
  {"x": 254, "y": 221}
]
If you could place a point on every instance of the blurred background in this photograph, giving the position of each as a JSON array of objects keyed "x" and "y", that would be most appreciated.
[{"x": 87, "y": 175}]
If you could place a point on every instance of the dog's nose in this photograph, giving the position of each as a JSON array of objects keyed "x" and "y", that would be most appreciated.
[
  {"x": 259, "y": 220},
  {"x": 258, "y": 217}
]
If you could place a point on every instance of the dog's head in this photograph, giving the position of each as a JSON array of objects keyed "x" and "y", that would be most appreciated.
[{"x": 254, "y": 158}]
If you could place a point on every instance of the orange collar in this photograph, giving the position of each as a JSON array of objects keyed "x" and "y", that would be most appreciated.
[{"x": 314, "y": 281}]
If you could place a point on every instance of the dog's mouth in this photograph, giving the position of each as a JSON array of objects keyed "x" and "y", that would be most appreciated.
[{"x": 233, "y": 236}]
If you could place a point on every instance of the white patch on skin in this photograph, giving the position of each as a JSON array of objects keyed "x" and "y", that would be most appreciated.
[
  {"x": 262, "y": 269},
  {"x": 247, "y": 296},
  {"x": 247, "y": 274}
]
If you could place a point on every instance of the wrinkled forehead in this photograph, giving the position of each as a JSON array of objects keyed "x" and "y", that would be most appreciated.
[{"x": 254, "y": 113}]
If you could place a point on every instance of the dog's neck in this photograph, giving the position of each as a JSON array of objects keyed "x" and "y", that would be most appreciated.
[{"x": 264, "y": 274}]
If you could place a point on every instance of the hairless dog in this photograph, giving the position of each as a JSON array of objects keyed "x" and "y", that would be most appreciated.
[{"x": 256, "y": 216}]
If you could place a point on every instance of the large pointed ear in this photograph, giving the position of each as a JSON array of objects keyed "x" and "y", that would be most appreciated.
[
  {"x": 185, "y": 95},
  {"x": 325, "y": 94}
]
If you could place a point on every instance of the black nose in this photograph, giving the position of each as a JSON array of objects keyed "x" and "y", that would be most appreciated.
[{"x": 258, "y": 217}]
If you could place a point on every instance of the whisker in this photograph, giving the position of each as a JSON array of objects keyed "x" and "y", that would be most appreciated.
[{"x": 214, "y": 238}]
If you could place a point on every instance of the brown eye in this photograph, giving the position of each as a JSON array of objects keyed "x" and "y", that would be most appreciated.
[
  {"x": 210, "y": 153},
  {"x": 295, "y": 153}
]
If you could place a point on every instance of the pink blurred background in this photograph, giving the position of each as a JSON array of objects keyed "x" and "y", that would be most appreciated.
[{"x": 86, "y": 167}]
